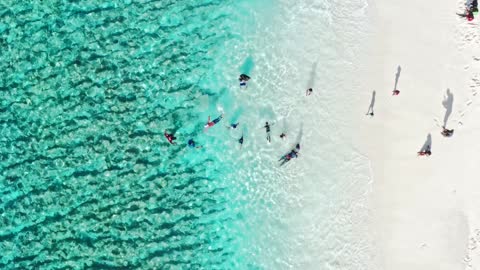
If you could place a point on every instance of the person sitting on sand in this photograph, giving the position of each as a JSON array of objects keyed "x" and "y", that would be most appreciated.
[{"x": 447, "y": 132}]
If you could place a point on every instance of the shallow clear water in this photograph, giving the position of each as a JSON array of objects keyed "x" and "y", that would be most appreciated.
[{"x": 87, "y": 178}]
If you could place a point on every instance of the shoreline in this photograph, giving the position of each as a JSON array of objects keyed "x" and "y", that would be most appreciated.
[{"x": 422, "y": 215}]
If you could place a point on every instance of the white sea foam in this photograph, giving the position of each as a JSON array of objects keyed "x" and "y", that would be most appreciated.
[{"x": 315, "y": 208}]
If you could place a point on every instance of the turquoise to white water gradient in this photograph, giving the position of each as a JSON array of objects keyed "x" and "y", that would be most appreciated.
[{"x": 88, "y": 181}]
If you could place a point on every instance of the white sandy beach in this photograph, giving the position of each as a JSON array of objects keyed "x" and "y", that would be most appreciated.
[{"x": 425, "y": 209}]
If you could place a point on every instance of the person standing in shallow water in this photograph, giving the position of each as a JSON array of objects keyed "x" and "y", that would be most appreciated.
[
  {"x": 241, "y": 141},
  {"x": 243, "y": 80},
  {"x": 309, "y": 91}
]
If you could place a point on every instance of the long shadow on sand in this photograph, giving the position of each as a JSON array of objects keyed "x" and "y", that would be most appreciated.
[
  {"x": 448, "y": 105},
  {"x": 372, "y": 104},
  {"x": 427, "y": 144},
  {"x": 311, "y": 79},
  {"x": 397, "y": 76}
]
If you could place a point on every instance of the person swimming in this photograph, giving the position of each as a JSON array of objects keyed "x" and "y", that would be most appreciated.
[
  {"x": 192, "y": 144},
  {"x": 243, "y": 80},
  {"x": 170, "y": 137},
  {"x": 212, "y": 123},
  {"x": 267, "y": 129},
  {"x": 234, "y": 125},
  {"x": 292, "y": 154}
]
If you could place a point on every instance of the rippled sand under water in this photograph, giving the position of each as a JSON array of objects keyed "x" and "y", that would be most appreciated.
[{"x": 88, "y": 179}]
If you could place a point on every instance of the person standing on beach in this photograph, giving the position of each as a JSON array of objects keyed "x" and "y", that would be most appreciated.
[
  {"x": 309, "y": 91},
  {"x": 283, "y": 136},
  {"x": 447, "y": 132},
  {"x": 267, "y": 129},
  {"x": 427, "y": 152}
]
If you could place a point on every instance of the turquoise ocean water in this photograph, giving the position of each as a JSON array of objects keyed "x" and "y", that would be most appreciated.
[{"x": 87, "y": 179}]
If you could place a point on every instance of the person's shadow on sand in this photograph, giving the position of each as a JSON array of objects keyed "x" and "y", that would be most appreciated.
[
  {"x": 397, "y": 76},
  {"x": 427, "y": 146},
  {"x": 448, "y": 105},
  {"x": 372, "y": 104}
]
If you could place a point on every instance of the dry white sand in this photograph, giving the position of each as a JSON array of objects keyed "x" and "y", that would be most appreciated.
[{"x": 426, "y": 210}]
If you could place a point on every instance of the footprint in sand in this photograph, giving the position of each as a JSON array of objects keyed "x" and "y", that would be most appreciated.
[{"x": 472, "y": 243}]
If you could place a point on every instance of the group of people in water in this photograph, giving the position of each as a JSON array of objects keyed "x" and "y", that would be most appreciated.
[{"x": 210, "y": 123}]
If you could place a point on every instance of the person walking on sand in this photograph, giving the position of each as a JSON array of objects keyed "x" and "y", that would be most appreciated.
[
  {"x": 309, "y": 91},
  {"x": 267, "y": 129},
  {"x": 169, "y": 137},
  {"x": 212, "y": 123}
]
